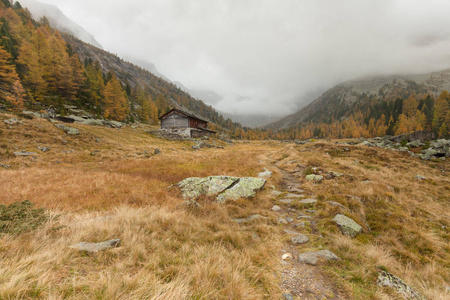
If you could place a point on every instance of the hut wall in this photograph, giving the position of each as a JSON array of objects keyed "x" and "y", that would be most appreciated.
[{"x": 174, "y": 120}]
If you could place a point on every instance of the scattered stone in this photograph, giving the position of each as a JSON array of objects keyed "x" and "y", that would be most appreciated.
[
  {"x": 335, "y": 174},
  {"x": 299, "y": 239},
  {"x": 277, "y": 193},
  {"x": 24, "y": 153},
  {"x": 389, "y": 280},
  {"x": 312, "y": 257},
  {"x": 347, "y": 225},
  {"x": 276, "y": 208},
  {"x": 286, "y": 201},
  {"x": 313, "y": 177},
  {"x": 420, "y": 177},
  {"x": 301, "y": 224},
  {"x": 335, "y": 204},
  {"x": 296, "y": 190},
  {"x": 289, "y": 219},
  {"x": 304, "y": 217},
  {"x": 13, "y": 121},
  {"x": 97, "y": 140},
  {"x": 43, "y": 149},
  {"x": 308, "y": 201},
  {"x": 249, "y": 219},
  {"x": 294, "y": 196},
  {"x": 282, "y": 221},
  {"x": 286, "y": 256},
  {"x": 288, "y": 231},
  {"x": 68, "y": 130},
  {"x": 311, "y": 211},
  {"x": 96, "y": 247},
  {"x": 5, "y": 166},
  {"x": 157, "y": 151},
  {"x": 265, "y": 174},
  {"x": 288, "y": 296}
]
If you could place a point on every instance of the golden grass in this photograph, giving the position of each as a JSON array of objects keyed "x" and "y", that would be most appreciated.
[{"x": 169, "y": 252}]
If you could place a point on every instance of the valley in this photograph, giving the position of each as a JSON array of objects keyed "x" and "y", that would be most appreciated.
[{"x": 107, "y": 183}]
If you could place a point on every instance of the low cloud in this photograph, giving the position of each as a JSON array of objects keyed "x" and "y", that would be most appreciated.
[{"x": 270, "y": 56}]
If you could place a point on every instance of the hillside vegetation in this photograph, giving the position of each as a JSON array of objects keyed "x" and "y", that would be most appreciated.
[{"x": 108, "y": 184}]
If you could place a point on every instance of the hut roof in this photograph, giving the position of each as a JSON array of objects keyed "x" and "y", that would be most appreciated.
[{"x": 187, "y": 114}]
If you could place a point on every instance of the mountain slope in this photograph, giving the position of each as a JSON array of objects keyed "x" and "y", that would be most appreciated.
[
  {"x": 339, "y": 101},
  {"x": 58, "y": 20}
]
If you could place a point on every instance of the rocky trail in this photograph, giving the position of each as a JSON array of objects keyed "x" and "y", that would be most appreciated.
[{"x": 301, "y": 277}]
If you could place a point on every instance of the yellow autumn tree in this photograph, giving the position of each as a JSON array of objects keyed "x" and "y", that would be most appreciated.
[
  {"x": 115, "y": 101},
  {"x": 11, "y": 89}
]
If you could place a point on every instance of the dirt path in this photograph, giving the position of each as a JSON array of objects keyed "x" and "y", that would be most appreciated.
[{"x": 298, "y": 280}]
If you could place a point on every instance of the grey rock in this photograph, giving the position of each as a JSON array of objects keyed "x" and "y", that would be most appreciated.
[
  {"x": 289, "y": 219},
  {"x": 292, "y": 232},
  {"x": 311, "y": 211},
  {"x": 347, "y": 225},
  {"x": 277, "y": 193},
  {"x": 32, "y": 113},
  {"x": 299, "y": 239},
  {"x": 246, "y": 187},
  {"x": 157, "y": 151},
  {"x": 335, "y": 204},
  {"x": 4, "y": 166},
  {"x": 286, "y": 201},
  {"x": 294, "y": 196},
  {"x": 335, "y": 174},
  {"x": 276, "y": 208},
  {"x": 415, "y": 144},
  {"x": 24, "y": 153},
  {"x": 420, "y": 177},
  {"x": 265, "y": 174},
  {"x": 301, "y": 224},
  {"x": 96, "y": 247},
  {"x": 308, "y": 201},
  {"x": 282, "y": 221},
  {"x": 288, "y": 296},
  {"x": 13, "y": 121},
  {"x": 389, "y": 280},
  {"x": 249, "y": 219},
  {"x": 313, "y": 257},
  {"x": 68, "y": 130},
  {"x": 43, "y": 148},
  {"x": 313, "y": 177}
]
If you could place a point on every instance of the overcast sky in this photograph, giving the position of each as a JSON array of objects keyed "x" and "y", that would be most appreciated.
[{"x": 270, "y": 56}]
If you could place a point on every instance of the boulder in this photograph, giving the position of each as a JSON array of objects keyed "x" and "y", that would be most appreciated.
[
  {"x": 313, "y": 177},
  {"x": 313, "y": 257},
  {"x": 194, "y": 187},
  {"x": 225, "y": 187},
  {"x": 246, "y": 187},
  {"x": 12, "y": 121},
  {"x": 299, "y": 239},
  {"x": 389, "y": 280},
  {"x": 347, "y": 225},
  {"x": 43, "y": 148},
  {"x": 276, "y": 208},
  {"x": 96, "y": 247},
  {"x": 265, "y": 174}
]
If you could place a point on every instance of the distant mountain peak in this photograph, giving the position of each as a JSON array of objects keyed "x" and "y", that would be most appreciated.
[{"x": 59, "y": 20}]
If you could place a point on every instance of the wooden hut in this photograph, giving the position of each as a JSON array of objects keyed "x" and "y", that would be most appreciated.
[{"x": 186, "y": 124}]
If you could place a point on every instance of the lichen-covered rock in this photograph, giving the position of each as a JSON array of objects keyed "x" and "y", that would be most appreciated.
[
  {"x": 312, "y": 257},
  {"x": 96, "y": 247},
  {"x": 226, "y": 187},
  {"x": 249, "y": 219},
  {"x": 246, "y": 187},
  {"x": 313, "y": 177},
  {"x": 193, "y": 187},
  {"x": 389, "y": 280},
  {"x": 347, "y": 225}
]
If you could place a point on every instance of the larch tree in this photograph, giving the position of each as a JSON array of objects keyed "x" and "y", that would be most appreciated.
[
  {"x": 115, "y": 101},
  {"x": 11, "y": 89}
]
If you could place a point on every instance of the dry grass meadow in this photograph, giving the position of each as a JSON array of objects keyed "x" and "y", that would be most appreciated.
[{"x": 108, "y": 183}]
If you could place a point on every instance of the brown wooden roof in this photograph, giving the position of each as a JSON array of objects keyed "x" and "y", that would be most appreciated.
[{"x": 190, "y": 115}]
